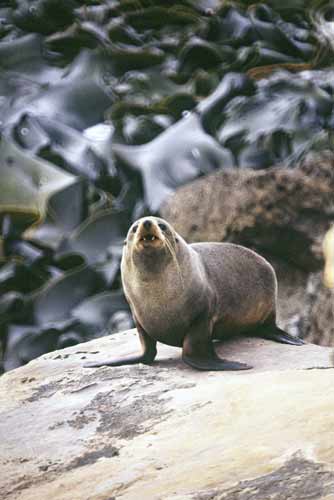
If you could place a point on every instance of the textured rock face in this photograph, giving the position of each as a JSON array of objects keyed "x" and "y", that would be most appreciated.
[
  {"x": 285, "y": 212},
  {"x": 166, "y": 431}
]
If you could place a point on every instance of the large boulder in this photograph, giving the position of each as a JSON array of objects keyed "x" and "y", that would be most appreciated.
[
  {"x": 285, "y": 212},
  {"x": 167, "y": 431}
]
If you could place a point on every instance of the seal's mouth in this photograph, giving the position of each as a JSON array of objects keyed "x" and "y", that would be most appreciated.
[
  {"x": 149, "y": 240},
  {"x": 149, "y": 237}
]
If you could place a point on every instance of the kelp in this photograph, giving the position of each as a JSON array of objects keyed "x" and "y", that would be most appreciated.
[
  {"x": 177, "y": 156},
  {"x": 106, "y": 108},
  {"x": 285, "y": 129}
]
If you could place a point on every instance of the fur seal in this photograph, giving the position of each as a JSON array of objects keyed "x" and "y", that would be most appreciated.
[{"x": 188, "y": 295}]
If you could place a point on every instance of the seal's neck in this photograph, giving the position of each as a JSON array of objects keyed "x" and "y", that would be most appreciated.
[{"x": 148, "y": 265}]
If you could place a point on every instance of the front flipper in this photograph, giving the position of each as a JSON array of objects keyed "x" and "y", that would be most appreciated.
[
  {"x": 278, "y": 335},
  {"x": 198, "y": 350},
  {"x": 149, "y": 352}
]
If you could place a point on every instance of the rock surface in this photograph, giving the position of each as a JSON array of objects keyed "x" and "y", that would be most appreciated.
[
  {"x": 284, "y": 212},
  {"x": 166, "y": 431}
]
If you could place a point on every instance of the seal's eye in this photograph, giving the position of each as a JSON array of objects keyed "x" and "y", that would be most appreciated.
[
  {"x": 134, "y": 229},
  {"x": 163, "y": 227}
]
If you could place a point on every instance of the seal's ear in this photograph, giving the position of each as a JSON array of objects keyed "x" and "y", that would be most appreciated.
[{"x": 125, "y": 242}]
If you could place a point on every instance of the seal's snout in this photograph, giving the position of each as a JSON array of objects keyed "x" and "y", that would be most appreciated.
[
  {"x": 149, "y": 233},
  {"x": 147, "y": 224},
  {"x": 148, "y": 230}
]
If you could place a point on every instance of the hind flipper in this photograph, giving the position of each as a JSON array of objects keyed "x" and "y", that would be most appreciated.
[{"x": 278, "y": 335}]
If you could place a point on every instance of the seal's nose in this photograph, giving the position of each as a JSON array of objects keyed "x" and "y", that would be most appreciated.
[{"x": 147, "y": 224}]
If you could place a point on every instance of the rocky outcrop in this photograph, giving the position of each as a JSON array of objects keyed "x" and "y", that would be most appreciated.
[
  {"x": 166, "y": 431},
  {"x": 283, "y": 212}
]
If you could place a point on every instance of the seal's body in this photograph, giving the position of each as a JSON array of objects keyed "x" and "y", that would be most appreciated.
[{"x": 188, "y": 295}]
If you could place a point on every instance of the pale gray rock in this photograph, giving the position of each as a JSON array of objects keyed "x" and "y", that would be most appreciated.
[{"x": 167, "y": 431}]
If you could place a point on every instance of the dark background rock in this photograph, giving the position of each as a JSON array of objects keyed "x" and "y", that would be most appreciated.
[{"x": 282, "y": 211}]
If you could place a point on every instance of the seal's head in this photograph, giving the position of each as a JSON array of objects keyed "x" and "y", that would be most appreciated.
[{"x": 151, "y": 240}]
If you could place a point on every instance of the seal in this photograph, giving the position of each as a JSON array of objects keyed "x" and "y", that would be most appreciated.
[{"x": 189, "y": 295}]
